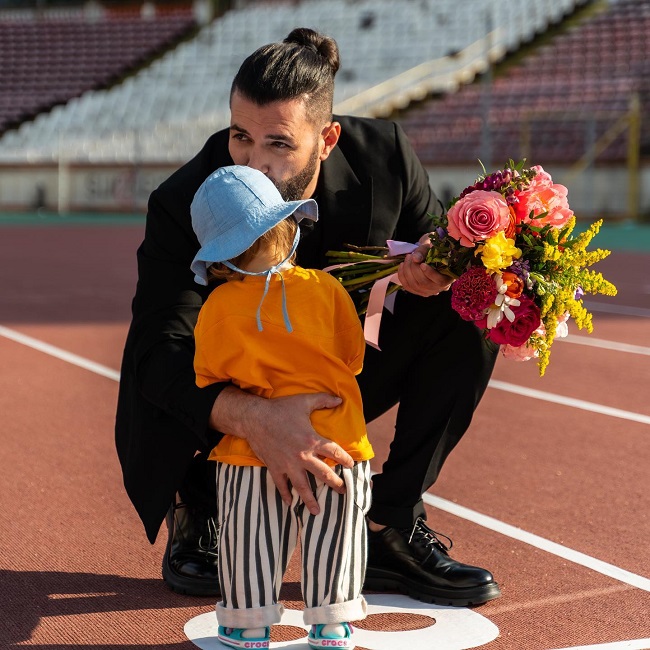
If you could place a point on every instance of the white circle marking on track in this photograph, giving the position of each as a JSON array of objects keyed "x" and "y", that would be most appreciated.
[{"x": 455, "y": 628}]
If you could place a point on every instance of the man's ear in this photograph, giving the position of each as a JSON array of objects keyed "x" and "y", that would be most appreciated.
[{"x": 330, "y": 136}]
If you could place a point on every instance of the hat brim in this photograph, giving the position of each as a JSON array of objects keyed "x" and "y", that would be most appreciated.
[{"x": 223, "y": 248}]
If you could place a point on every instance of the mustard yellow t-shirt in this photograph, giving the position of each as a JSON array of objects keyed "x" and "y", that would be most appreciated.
[{"x": 322, "y": 354}]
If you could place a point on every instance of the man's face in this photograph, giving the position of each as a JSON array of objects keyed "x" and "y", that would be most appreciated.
[{"x": 279, "y": 140}]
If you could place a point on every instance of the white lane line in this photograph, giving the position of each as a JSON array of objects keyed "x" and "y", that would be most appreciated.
[
  {"x": 105, "y": 371},
  {"x": 59, "y": 353},
  {"x": 592, "y": 407},
  {"x": 605, "y": 344},
  {"x": 539, "y": 542},
  {"x": 442, "y": 504},
  {"x": 623, "y": 310}
]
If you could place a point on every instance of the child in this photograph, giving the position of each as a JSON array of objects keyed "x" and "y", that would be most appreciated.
[{"x": 275, "y": 329}]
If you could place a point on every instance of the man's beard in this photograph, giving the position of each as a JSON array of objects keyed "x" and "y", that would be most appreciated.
[{"x": 293, "y": 188}]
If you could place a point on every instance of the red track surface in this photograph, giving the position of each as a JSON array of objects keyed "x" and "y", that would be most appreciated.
[{"x": 76, "y": 569}]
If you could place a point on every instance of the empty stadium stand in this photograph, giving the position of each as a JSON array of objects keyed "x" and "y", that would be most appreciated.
[
  {"x": 166, "y": 111},
  {"x": 49, "y": 60},
  {"x": 553, "y": 105}
]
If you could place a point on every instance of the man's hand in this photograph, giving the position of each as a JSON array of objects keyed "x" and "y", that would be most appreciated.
[
  {"x": 418, "y": 277},
  {"x": 280, "y": 433}
]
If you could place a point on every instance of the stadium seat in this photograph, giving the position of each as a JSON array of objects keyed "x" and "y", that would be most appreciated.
[
  {"x": 178, "y": 100},
  {"x": 58, "y": 59}
]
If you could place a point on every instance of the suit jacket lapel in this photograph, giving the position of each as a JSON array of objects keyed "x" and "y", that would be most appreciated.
[{"x": 345, "y": 204}]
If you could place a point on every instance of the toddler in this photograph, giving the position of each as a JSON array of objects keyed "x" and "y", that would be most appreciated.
[{"x": 276, "y": 329}]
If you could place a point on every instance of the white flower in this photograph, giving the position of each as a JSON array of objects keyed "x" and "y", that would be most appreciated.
[
  {"x": 502, "y": 304},
  {"x": 562, "y": 326}
]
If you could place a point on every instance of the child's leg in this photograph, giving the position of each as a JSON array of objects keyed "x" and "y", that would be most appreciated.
[
  {"x": 334, "y": 550},
  {"x": 257, "y": 536}
]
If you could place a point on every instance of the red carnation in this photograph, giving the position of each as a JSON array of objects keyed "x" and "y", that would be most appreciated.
[{"x": 473, "y": 293}]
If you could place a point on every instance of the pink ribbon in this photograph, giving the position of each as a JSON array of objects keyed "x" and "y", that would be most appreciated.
[
  {"x": 400, "y": 247},
  {"x": 377, "y": 298}
]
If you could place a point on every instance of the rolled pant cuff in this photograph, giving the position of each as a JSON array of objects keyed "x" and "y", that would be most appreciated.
[
  {"x": 395, "y": 517},
  {"x": 352, "y": 610},
  {"x": 246, "y": 618}
]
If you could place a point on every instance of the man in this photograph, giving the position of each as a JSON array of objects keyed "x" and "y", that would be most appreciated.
[{"x": 370, "y": 187}]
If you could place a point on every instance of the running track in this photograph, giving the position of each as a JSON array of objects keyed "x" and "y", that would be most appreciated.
[{"x": 549, "y": 489}]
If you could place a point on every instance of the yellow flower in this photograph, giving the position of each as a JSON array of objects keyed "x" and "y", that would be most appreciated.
[
  {"x": 498, "y": 252},
  {"x": 551, "y": 253}
]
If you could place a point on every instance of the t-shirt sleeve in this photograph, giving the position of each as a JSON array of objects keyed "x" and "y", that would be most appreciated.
[{"x": 208, "y": 336}]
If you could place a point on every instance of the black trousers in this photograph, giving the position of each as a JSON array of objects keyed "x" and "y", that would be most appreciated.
[{"x": 436, "y": 366}]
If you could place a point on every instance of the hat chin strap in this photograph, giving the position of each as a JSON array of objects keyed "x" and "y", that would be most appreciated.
[{"x": 269, "y": 273}]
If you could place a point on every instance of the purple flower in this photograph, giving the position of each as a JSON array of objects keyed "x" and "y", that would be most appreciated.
[
  {"x": 579, "y": 293},
  {"x": 520, "y": 268}
]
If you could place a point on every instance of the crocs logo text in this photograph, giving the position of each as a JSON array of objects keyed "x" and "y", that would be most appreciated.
[
  {"x": 255, "y": 644},
  {"x": 333, "y": 643}
]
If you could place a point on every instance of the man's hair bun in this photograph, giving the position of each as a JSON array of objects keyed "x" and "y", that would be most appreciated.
[{"x": 319, "y": 43}]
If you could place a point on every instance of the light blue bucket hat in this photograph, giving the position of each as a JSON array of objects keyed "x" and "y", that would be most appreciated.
[{"x": 233, "y": 208}]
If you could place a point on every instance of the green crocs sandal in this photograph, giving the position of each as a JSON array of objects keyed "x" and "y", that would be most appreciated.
[
  {"x": 317, "y": 639},
  {"x": 232, "y": 636}
]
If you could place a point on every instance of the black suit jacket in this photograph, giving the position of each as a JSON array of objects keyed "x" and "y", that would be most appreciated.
[{"x": 372, "y": 188}]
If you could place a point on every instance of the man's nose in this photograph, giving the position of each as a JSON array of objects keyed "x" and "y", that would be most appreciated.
[{"x": 257, "y": 160}]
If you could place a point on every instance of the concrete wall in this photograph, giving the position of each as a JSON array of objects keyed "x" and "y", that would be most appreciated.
[
  {"x": 105, "y": 188},
  {"x": 77, "y": 188}
]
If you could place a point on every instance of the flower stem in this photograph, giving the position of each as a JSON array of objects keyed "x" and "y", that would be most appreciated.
[{"x": 371, "y": 277}]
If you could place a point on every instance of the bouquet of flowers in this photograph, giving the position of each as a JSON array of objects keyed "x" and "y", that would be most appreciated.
[{"x": 519, "y": 271}]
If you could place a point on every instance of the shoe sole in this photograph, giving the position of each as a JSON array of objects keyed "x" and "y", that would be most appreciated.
[
  {"x": 184, "y": 585},
  {"x": 244, "y": 643},
  {"x": 382, "y": 580}
]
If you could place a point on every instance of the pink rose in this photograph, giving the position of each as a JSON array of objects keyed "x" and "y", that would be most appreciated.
[
  {"x": 478, "y": 216},
  {"x": 527, "y": 320},
  {"x": 543, "y": 195},
  {"x": 541, "y": 178}
]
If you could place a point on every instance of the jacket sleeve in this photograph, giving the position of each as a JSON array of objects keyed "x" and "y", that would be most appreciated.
[
  {"x": 165, "y": 309},
  {"x": 419, "y": 202}
]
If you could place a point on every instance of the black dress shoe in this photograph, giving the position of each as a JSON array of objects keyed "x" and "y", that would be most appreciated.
[
  {"x": 190, "y": 562},
  {"x": 415, "y": 562}
]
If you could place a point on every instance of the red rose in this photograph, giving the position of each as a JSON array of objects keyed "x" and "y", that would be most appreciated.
[{"x": 527, "y": 320}]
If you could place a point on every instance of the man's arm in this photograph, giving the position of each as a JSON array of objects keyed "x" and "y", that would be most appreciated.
[
  {"x": 280, "y": 433},
  {"x": 420, "y": 203},
  {"x": 165, "y": 308}
]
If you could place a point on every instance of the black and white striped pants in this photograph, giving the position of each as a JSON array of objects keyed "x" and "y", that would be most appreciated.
[{"x": 258, "y": 533}]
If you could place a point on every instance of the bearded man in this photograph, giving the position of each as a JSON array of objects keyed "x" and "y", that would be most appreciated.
[{"x": 370, "y": 187}]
